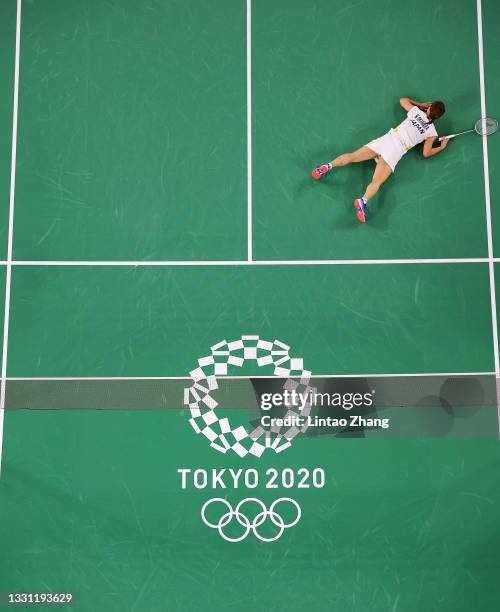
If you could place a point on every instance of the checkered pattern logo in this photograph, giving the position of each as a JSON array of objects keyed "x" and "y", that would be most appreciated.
[{"x": 199, "y": 397}]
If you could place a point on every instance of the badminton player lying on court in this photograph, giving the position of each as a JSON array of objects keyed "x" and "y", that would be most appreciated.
[{"x": 389, "y": 149}]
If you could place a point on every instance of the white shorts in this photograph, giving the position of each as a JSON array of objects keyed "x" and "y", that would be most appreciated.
[{"x": 389, "y": 148}]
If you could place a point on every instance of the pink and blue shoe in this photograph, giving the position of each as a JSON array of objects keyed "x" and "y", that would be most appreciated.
[
  {"x": 318, "y": 172},
  {"x": 360, "y": 204}
]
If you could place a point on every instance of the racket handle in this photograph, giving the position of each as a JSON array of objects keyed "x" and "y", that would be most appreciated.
[
  {"x": 447, "y": 137},
  {"x": 457, "y": 134}
]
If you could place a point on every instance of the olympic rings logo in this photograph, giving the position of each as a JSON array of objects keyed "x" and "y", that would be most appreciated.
[{"x": 246, "y": 523}]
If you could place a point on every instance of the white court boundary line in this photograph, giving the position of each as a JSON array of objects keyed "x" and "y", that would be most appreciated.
[
  {"x": 263, "y": 262},
  {"x": 249, "y": 133},
  {"x": 489, "y": 232},
  {"x": 8, "y": 275},
  {"x": 125, "y": 378}
]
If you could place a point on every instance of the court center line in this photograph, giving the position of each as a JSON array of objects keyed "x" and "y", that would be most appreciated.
[
  {"x": 249, "y": 132},
  {"x": 283, "y": 262},
  {"x": 8, "y": 274},
  {"x": 489, "y": 232}
]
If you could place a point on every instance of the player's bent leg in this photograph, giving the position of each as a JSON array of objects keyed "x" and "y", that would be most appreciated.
[
  {"x": 345, "y": 159},
  {"x": 361, "y": 155},
  {"x": 382, "y": 172}
]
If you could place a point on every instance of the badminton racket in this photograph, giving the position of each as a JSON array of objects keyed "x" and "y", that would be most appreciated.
[{"x": 484, "y": 127}]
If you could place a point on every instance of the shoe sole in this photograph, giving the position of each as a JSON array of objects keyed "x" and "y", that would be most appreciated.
[{"x": 361, "y": 215}]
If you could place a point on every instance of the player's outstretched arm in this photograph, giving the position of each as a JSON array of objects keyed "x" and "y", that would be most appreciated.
[
  {"x": 408, "y": 104},
  {"x": 429, "y": 151}
]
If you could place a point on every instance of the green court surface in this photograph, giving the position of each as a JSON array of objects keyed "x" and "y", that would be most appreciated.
[
  {"x": 133, "y": 225},
  {"x": 317, "y": 95},
  {"x": 492, "y": 67},
  {"x": 132, "y": 143},
  {"x": 7, "y": 46},
  {"x": 85, "y": 321}
]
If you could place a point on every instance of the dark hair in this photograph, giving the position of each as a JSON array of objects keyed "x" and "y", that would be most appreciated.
[{"x": 436, "y": 110}]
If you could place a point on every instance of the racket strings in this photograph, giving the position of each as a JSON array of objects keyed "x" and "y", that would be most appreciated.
[{"x": 486, "y": 126}]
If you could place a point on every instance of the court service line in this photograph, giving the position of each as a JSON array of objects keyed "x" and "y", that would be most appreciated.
[
  {"x": 249, "y": 132},
  {"x": 8, "y": 274},
  {"x": 487, "y": 196},
  {"x": 282, "y": 262}
]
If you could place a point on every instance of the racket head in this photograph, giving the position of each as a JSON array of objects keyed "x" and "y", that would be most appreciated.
[{"x": 486, "y": 126}]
